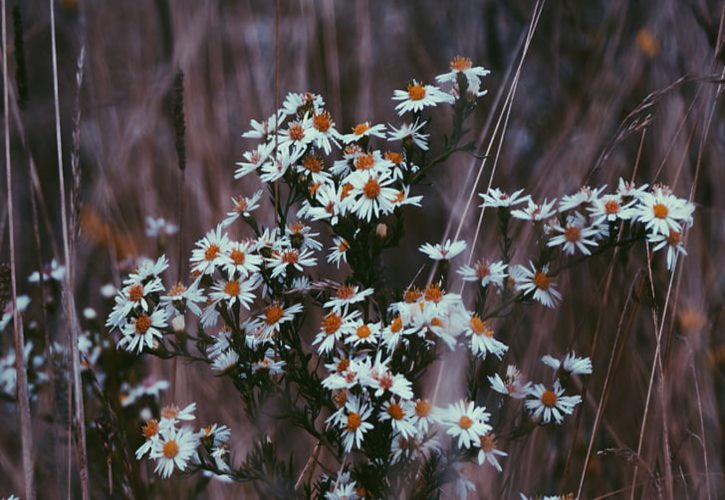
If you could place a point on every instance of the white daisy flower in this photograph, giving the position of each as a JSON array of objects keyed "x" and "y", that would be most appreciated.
[
  {"x": 371, "y": 195},
  {"x": 482, "y": 340},
  {"x": 243, "y": 207},
  {"x": 143, "y": 331},
  {"x": 281, "y": 260},
  {"x": 225, "y": 362},
  {"x": 210, "y": 251},
  {"x": 346, "y": 295},
  {"x": 299, "y": 104},
  {"x": 268, "y": 323},
  {"x": 240, "y": 259},
  {"x": 418, "y": 96},
  {"x": 379, "y": 377},
  {"x": 265, "y": 128},
  {"x": 410, "y": 134},
  {"x": 253, "y": 160},
  {"x": 585, "y": 196},
  {"x": 488, "y": 451},
  {"x": 334, "y": 326},
  {"x": 52, "y": 271},
  {"x": 674, "y": 244},
  {"x": 156, "y": 227},
  {"x": 466, "y": 422},
  {"x": 486, "y": 271},
  {"x": 496, "y": 198},
  {"x": 575, "y": 235},
  {"x": 298, "y": 134},
  {"x": 394, "y": 332},
  {"x": 233, "y": 291},
  {"x": 221, "y": 343},
  {"x": 512, "y": 385},
  {"x": 269, "y": 364},
  {"x": 417, "y": 447},
  {"x": 537, "y": 282},
  {"x": 217, "y": 434},
  {"x": 628, "y": 190},
  {"x": 353, "y": 422},
  {"x": 662, "y": 213},
  {"x": 610, "y": 208},
  {"x": 174, "y": 449},
  {"x": 424, "y": 415},
  {"x": 150, "y": 433},
  {"x": 446, "y": 251},
  {"x": 365, "y": 334},
  {"x": 302, "y": 237},
  {"x": 473, "y": 74},
  {"x": 171, "y": 415},
  {"x": 571, "y": 364},
  {"x": 338, "y": 251},
  {"x": 400, "y": 414},
  {"x": 343, "y": 491},
  {"x": 403, "y": 198},
  {"x": 181, "y": 297},
  {"x": 148, "y": 268},
  {"x": 324, "y": 132},
  {"x": 535, "y": 212},
  {"x": 550, "y": 403},
  {"x": 364, "y": 129},
  {"x": 276, "y": 166}
]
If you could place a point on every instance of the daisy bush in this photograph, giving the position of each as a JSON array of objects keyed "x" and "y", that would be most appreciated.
[{"x": 299, "y": 314}]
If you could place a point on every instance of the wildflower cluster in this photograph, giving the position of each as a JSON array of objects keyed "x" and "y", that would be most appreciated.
[{"x": 343, "y": 354}]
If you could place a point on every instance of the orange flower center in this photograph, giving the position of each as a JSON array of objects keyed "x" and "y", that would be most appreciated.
[
  {"x": 460, "y": 63},
  {"x": 273, "y": 313},
  {"x": 313, "y": 163},
  {"x": 238, "y": 257},
  {"x": 177, "y": 290},
  {"x": 386, "y": 381},
  {"x": 548, "y": 398},
  {"x": 465, "y": 422},
  {"x": 342, "y": 365},
  {"x": 135, "y": 293},
  {"x": 169, "y": 412},
  {"x": 150, "y": 429},
  {"x": 395, "y": 411},
  {"x": 416, "y": 92},
  {"x": 433, "y": 293},
  {"x": 371, "y": 189},
  {"x": 346, "y": 188},
  {"x": 345, "y": 292},
  {"x": 396, "y": 325},
  {"x": 211, "y": 252},
  {"x": 364, "y": 162},
  {"x": 296, "y": 132},
  {"x": 488, "y": 442},
  {"x": 331, "y": 323},
  {"x": 660, "y": 211},
  {"x": 363, "y": 331},
  {"x": 171, "y": 449},
  {"x": 396, "y": 158},
  {"x": 479, "y": 327},
  {"x": 572, "y": 233},
  {"x": 353, "y": 421},
  {"x": 674, "y": 238},
  {"x": 290, "y": 257},
  {"x": 541, "y": 280},
  {"x": 232, "y": 288},
  {"x": 322, "y": 121},
  {"x": 360, "y": 128},
  {"x": 611, "y": 207},
  {"x": 411, "y": 295},
  {"x": 343, "y": 246},
  {"x": 482, "y": 270},
  {"x": 423, "y": 408},
  {"x": 339, "y": 398},
  {"x": 143, "y": 323}
]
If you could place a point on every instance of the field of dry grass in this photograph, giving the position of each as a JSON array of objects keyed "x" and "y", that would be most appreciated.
[{"x": 607, "y": 89}]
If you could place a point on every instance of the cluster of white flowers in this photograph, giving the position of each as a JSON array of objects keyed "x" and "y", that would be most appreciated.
[{"x": 173, "y": 445}]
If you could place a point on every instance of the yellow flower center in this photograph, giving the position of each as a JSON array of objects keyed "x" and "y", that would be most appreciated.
[
  {"x": 238, "y": 257},
  {"x": 353, "y": 421},
  {"x": 396, "y": 325},
  {"x": 396, "y": 158},
  {"x": 411, "y": 295},
  {"x": 611, "y": 207},
  {"x": 479, "y": 327},
  {"x": 433, "y": 293},
  {"x": 423, "y": 408},
  {"x": 150, "y": 429},
  {"x": 364, "y": 162},
  {"x": 296, "y": 132}
]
